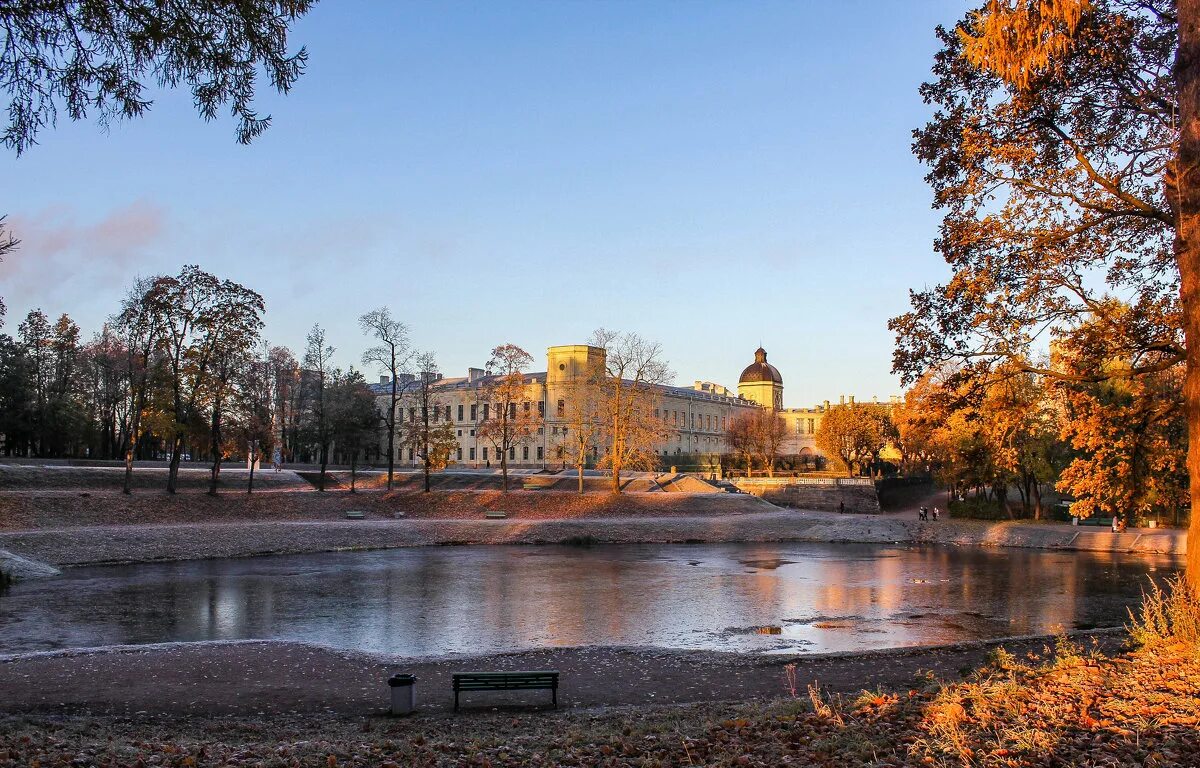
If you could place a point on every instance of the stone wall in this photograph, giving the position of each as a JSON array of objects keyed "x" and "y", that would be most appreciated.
[{"x": 814, "y": 493}]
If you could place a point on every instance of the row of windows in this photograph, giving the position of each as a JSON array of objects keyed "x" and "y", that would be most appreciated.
[
  {"x": 512, "y": 453},
  {"x": 440, "y": 412},
  {"x": 708, "y": 422}
]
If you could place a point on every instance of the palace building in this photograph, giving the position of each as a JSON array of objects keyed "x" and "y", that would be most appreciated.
[{"x": 693, "y": 419}]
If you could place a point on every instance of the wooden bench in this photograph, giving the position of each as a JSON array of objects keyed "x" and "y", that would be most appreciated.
[
  {"x": 495, "y": 514},
  {"x": 355, "y": 515},
  {"x": 506, "y": 681},
  {"x": 1101, "y": 521}
]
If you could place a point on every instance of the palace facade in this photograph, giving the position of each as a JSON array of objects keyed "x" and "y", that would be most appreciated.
[{"x": 694, "y": 419}]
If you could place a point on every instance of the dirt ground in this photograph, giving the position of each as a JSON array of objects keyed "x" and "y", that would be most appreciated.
[{"x": 284, "y": 677}]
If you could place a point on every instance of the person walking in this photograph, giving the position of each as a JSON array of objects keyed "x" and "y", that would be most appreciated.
[
  {"x": 935, "y": 513},
  {"x": 923, "y": 514},
  {"x": 842, "y": 507}
]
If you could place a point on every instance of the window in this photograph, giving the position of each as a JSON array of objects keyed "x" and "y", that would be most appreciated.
[
  {"x": 447, "y": 413},
  {"x": 675, "y": 418},
  {"x": 541, "y": 409},
  {"x": 541, "y": 430},
  {"x": 472, "y": 454},
  {"x": 812, "y": 426},
  {"x": 554, "y": 430},
  {"x": 460, "y": 433},
  {"x": 485, "y": 415},
  {"x": 541, "y": 453},
  {"x": 512, "y": 452},
  {"x": 460, "y": 411},
  {"x": 460, "y": 454},
  {"x": 412, "y": 414},
  {"x": 436, "y": 412},
  {"x": 525, "y": 406},
  {"x": 485, "y": 453},
  {"x": 562, "y": 408},
  {"x": 474, "y": 410},
  {"x": 512, "y": 411},
  {"x": 525, "y": 453},
  {"x": 410, "y": 454},
  {"x": 472, "y": 433}
]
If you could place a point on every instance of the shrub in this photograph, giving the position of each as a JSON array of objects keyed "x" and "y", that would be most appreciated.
[{"x": 1169, "y": 616}]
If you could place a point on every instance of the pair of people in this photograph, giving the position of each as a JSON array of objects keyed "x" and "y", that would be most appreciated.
[{"x": 924, "y": 513}]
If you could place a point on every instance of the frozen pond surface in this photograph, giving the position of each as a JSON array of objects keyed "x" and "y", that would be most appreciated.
[{"x": 438, "y": 600}]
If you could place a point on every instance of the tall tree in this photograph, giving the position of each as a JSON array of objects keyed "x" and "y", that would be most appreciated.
[
  {"x": 1065, "y": 151},
  {"x": 511, "y": 420},
  {"x": 318, "y": 370},
  {"x": 235, "y": 324},
  {"x": 200, "y": 318},
  {"x": 583, "y": 418},
  {"x": 35, "y": 334},
  {"x": 354, "y": 419},
  {"x": 420, "y": 431},
  {"x": 391, "y": 354},
  {"x": 254, "y": 400},
  {"x": 101, "y": 56},
  {"x": 138, "y": 325},
  {"x": 634, "y": 368}
]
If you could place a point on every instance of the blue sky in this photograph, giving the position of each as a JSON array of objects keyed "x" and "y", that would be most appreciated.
[{"x": 711, "y": 175}]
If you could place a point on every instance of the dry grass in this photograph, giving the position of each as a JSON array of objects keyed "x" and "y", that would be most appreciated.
[{"x": 1168, "y": 617}]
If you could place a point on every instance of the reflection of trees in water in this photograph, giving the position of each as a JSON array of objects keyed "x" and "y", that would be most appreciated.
[{"x": 440, "y": 600}]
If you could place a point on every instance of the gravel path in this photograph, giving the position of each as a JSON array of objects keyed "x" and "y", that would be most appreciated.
[{"x": 282, "y": 677}]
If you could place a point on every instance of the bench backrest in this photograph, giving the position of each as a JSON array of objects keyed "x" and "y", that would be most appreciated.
[{"x": 486, "y": 681}]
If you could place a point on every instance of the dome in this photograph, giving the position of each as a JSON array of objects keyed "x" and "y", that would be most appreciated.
[{"x": 760, "y": 370}]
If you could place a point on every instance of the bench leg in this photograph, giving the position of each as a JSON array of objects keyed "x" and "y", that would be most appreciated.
[{"x": 554, "y": 696}]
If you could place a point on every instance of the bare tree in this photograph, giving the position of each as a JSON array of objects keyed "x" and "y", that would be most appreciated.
[
  {"x": 512, "y": 421},
  {"x": 584, "y": 413},
  {"x": 634, "y": 368},
  {"x": 392, "y": 354},
  {"x": 235, "y": 325},
  {"x": 318, "y": 370}
]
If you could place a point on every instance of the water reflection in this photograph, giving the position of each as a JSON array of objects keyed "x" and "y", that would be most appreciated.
[{"x": 766, "y": 597}]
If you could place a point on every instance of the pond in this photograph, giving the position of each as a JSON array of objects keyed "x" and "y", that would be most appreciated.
[{"x": 481, "y": 599}]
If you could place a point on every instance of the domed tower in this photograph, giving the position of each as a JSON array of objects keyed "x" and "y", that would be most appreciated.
[{"x": 761, "y": 382}]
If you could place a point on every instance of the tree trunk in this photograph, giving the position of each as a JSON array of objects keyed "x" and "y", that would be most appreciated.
[
  {"x": 1187, "y": 253},
  {"x": 216, "y": 447},
  {"x": 581, "y": 477},
  {"x": 173, "y": 467},
  {"x": 253, "y": 461},
  {"x": 135, "y": 427},
  {"x": 392, "y": 429},
  {"x": 353, "y": 471},
  {"x": 324, "y": 463},
  {"x": 504, "y": 469}
]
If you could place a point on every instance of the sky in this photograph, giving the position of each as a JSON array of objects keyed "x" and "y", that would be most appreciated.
[{"x": 711, "y": 175}]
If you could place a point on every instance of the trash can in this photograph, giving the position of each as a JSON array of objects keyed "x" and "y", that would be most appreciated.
[{"x": 403, "y": 693}]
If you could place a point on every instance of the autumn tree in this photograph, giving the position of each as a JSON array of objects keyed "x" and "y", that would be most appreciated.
[
  {"x": 1062, "y": 151},
  {"x": 235, "y": 326},
  {"x": 202, "y": 319},
  {"x": 855, "y": 434},
  {"x": 420, "y": 431},
  {"x": 391, "y": 354},
  {"x": 757, "y": 435},
  {"x": 316, "y": 378},
  {"x": 634, "y": 369},
  {"x": 138, "y": 326},
  {"x": 511, "y": 420}
]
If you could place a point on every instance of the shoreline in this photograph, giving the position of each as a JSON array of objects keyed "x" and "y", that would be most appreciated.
[{"x": 167, "y": 542}]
